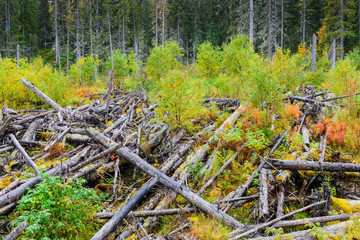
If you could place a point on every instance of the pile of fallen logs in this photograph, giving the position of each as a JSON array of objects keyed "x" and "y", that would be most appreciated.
[{"x": 120, "y": 126}]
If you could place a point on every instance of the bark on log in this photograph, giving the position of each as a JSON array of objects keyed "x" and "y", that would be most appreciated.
[
  {"x": 111, "y": 225},
  {"x": 226, "y": 164},
  {"x": 299, "y": 222},
  {"x": 19, "y": 191},
  {"x": 306, "y": 234},
  {"x": 42, "y": 95},
  {"x": 313, "y": 166},
  {"x": 165, "y": 180},
  {"x": 17, "y": 231},
  {"x": 24, "y": 153},
  {"x": 270, "y": 223},
  {"x": 263, "y": 196},
  {"x": 148, "y": 213}
]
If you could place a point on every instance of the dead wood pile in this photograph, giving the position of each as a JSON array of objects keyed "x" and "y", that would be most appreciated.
[{"x": 121, "y": 126}]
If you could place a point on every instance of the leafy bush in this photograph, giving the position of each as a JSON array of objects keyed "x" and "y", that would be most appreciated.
[
  {"x": 163, "y": 59},
  {"x": 178, "y": 97},
  {"x": 208, "y": 60},
  {"x": 56, "y": 210},
  {"x": 83, "y": 71},
  {"x": 124, "y": 65}
]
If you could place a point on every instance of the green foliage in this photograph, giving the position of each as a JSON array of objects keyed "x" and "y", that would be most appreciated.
[
  {"x": 124, "y": 65},
  {"x": 256, "y": 140},
  {"x": 83, "y": 71},
  {"x": 354, "y": 57},
  {"x": 279, "y": 234},
  {"x": 163, "y": 59},
  {"x": 56, "y": 210},
  {"x": 178, "y": 97},
  {"x": 208, "y": 60}
]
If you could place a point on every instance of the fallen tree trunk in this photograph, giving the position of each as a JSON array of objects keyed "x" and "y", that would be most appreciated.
[
  {"x": 332, "y": 230},
  {"x": 165, "y": 180},
  {"x": 42, "y": 95},
  {"x": 272, "y": 222},
  {"x": 148, "y": 213},
  {"x": 17, "y": 231},
  {"x": 313, "y": 166}
]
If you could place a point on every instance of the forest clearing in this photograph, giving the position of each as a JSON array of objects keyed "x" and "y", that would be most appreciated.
[{"x": 161, "y": 119}]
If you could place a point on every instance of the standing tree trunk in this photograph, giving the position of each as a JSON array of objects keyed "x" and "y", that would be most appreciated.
[
  {"x": 304, "y": 23},
  {"x": 178, "y": 25},
  {"x": 18, "y": 55},
  {"x": 282, "y": 26},
  {"x": 90, "y": 28},
  {"x": 7, "y": 27},
  {"x": 313, "y": 63},
  {"x": 123, "y": 29},
  {"x": 156, "y": 23},
  {"x": 342, "y": 29},
  {"x": 269, "y": 33},
  {"x": 111, "y": 45},
  {"x": 78, "y": 50},
  {"x": 163, "y": 22},
  {"x": 68, "y": 39},
  {"x": 251, "y": 29},
  {"x": 333, "y": 54},
  {"x": 57, "y": 46},
  {"x": 135, "y": 37}
]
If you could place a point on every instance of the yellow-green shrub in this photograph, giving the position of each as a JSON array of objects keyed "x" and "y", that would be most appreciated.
[
  {"x": 178, "y": 97},
  {"x": 208, "y": 60},
  {"x": 163, "y": 59}
]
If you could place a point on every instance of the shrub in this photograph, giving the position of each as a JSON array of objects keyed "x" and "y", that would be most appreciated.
[
  {"x": 83, "y": 71},
  {"x": 124, "y": 65},
  {"x": 178, "y": 97},
  {"x": 163, "y": 59},
  {"x": 56, "y": 210},
  {"x": 208, "y": 60}
]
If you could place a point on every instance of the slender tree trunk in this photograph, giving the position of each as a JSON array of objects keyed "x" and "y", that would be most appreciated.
[
  {"x": 270, "y": 30},
  {"x": 178, "y": 25},
  {"x": 111, "y": 45},
  {"x": 333, "y": 54},
  {"x": 282, "y": 26},
  {"x": 156, "y": 23},
  {"x": 304, "y": 23},
  {"x": 313, "y": 63},
  {"x": 123, "y": 29},
  {"x": 359, "y": 21},
  {"x": 251, "y": 29},
  {"x": 18, "y": 55},
  {"x": 91, "y": 33},
  {"x": 342, "y": 29},
  {"x": 8, "y": 27},
  {"x": 97, "y": 30},
  {"x": 57, "y": 46},
  {"x": 68, "y": 40},
  {"x": 163, "y": 22},
  {"x": 78, "y": 50},
  {"x": 135, "y": 37}
]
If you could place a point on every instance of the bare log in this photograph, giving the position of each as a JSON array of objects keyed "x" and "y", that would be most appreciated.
[
  {"x": 42, "y": 95},
  {"x": 313, "y": 166},
  {"x": 148, "y": 213},
  {"x": 272, "y": 222},
  {"x": 299, "y": 222},
  {"x": 19, "y": 191},
  {"x": 17, "y": 231},
  {"x": 24, "y": 153},
  {"x": 263, "y": 196},
  {"x": 306, "y": 234},
  {"x": 165, "y": 180},
  {"x": 226, "y": 164}
]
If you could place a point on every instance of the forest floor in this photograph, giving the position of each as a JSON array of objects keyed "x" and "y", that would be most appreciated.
[{"x": 239, "y": 172}]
